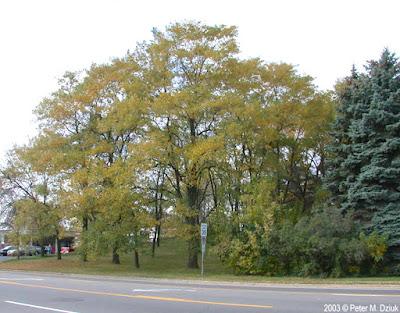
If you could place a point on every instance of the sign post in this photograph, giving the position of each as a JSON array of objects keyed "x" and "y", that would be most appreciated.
[{"x": 203, "y": 233}]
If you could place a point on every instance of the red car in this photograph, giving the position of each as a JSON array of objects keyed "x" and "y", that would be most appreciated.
[{"x": 66, "y": 250}]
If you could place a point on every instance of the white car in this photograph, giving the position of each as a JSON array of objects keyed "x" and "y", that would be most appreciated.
[
  {"x": 4, "y": 251},
  {"x": 14, "y": 252}
]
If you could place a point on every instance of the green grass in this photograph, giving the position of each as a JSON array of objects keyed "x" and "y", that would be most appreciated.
[{"x": 169, "y": 262}]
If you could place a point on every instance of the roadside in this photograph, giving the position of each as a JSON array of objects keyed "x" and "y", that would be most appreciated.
[
  {"x": 169, "y": 263},
  {"x": 284, "y": 283},
  {"x": 6, "y": 258},
  {"x": 87, "y": 272}
]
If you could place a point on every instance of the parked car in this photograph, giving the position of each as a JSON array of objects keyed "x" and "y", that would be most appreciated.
[
  {"x": 4, "y": 251},
  {"x": 14, "y": 252},
  {"x": 66, "y": 250},
  {"x": 33, "y": 250},
  {"x": 47, "y": 249}
]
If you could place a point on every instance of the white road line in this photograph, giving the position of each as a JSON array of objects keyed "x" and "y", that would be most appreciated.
[
  {"x": 39, "y": 307},
  {"x": 360, "y": 295},
  {"x": 162, "y": 290},
  {"x": 22, "y": 279}
]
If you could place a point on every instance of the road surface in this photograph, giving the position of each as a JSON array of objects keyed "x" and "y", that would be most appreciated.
[{"x": 22, "y": 292}]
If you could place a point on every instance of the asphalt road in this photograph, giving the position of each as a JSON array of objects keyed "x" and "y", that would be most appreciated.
[{"x": 27, "y": 292}]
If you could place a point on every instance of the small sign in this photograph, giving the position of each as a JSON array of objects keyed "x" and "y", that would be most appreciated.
[{"x": 203, "y": 230}]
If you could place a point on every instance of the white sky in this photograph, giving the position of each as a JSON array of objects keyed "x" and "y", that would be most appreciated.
[{"x": 41, "y": 39}]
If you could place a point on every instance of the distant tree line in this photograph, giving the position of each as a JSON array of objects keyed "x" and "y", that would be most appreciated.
[{"x": 181, "y": 130}]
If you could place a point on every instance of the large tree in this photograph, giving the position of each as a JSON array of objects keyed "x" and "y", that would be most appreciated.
[
  {"x": 367, "y": 148},
  {"x": 184, "y": 126},
  {"x": 89, "y": 124},
  {"x": 188, "y": 70},
  {"x": 32, "y": 189}
]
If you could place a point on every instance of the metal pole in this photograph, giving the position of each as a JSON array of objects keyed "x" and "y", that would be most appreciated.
[
  {"x": 202, "y": 263},
  {"x": 203, "y": 232}
]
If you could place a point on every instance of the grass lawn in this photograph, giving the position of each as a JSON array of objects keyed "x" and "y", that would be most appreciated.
[{"x": 169, "y": 262}]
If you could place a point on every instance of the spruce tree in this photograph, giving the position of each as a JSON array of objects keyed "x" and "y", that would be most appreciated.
[
  {"x": 364, "y": 174},
  {"x": 342, "y": 168}
]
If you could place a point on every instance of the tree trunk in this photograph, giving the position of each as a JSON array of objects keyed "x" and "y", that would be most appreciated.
[
  {"x": 153, "y": 244},
  {"x": 85, "y": 226},
  {"x": 58, "y": 248},
  {"x": 158, "y": 209},
  {"x": 115, "y": 256},
  {"x": 18, "y": 252},
  {"x": 193, "y": 220},
  {"x": 193, "y": 250},
  {"x": 42, "y": 249},
  {"x": 158, "y": 235},
  {"x": 137, "y": 264}
]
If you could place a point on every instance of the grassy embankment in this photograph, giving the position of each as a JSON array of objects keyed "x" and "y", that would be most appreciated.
[{"x": 169, "y": 262}]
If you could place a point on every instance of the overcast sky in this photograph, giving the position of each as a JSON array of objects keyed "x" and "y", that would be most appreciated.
[{"x": 41, "y": 39}]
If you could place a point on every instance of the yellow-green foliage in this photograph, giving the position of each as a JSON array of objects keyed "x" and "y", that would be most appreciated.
[
  {"x": 376, "y": 245},
  {"x": 180, "y": 131}
]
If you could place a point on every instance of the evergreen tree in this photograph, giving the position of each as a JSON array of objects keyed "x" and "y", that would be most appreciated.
[
  {"x": 340, "y": 149},
  {"x": 365, "y": 173}
]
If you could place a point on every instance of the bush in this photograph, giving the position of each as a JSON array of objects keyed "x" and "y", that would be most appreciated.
[
  {"x": 325, "y": 244},
  {"x": 243, "y": 254}
]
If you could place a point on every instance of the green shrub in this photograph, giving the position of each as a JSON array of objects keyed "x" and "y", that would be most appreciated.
[{"x": 325, "y": 244}]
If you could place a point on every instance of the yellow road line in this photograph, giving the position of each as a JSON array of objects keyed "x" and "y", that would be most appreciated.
[
  {"x": 110, "y": 294},
  {"x": 204, "y": 302}
]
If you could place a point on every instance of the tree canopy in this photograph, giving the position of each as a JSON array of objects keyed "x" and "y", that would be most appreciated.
[{"x": 182, "y": 130}]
